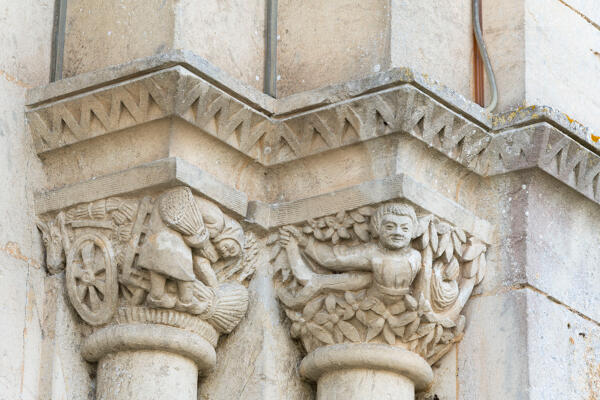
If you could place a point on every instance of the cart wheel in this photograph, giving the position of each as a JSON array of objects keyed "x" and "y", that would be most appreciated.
[{"x": 92, "y": 278}]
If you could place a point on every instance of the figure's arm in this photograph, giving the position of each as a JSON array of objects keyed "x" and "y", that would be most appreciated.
[
  {"x": 204, "y": 271},
  {"x": 338, "y": 258}
]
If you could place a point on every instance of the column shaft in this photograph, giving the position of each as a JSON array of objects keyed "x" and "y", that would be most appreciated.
[
  {"x": 364, "y": 384},
  {"x": 144, "y": 375}
]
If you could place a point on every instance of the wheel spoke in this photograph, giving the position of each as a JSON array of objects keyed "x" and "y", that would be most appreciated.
[
  {"x": 100, "y": 286},
  {"x": 99, "y": 266},
  {"x": 94, "y": 300},
  {"x": 77, "y": 270},
  {"x": 87, "y": 254},
  {"x": 81, "y": 289}
]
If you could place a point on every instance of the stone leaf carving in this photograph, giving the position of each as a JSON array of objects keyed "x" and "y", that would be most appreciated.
[
  {"x": 377, "y": 275},
  {"x": 175, "y": 252}
]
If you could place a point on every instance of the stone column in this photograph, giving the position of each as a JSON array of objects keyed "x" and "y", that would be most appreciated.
[
  {"x": 142, "y": 361},
  {"x": 366, "y": 371},
  {"x": 157, "y": 280}
]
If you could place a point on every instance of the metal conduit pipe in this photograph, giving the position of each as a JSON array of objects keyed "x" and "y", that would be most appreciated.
[
  {"x": 484, "y": 55},
  {"x": 270, "y": 86}
]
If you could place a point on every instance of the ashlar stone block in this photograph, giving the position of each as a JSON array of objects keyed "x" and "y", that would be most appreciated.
[
  {"x": 525, "y": 345},
  {"x": 101, "y": 34}
]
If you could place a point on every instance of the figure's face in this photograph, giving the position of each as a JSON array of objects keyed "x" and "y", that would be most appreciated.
[
  {"x": 395, "y": 231},
  {"x": 229, "y": 248}
]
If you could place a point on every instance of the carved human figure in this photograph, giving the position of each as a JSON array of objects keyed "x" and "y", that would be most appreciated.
[
  {"x": 230, "y": 244},
  {"x": 177, "y": 227},
  {"x": 189, "y": 237},
  {"x": 388, "y": 265},
  {"x": 227, "y": 237},
  {"x": 166, "y": 255}
]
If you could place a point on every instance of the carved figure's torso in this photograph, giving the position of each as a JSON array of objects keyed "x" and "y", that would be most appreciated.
[
  {"x": 165, "y": 252},
  {"x": 394, "y": 271}
]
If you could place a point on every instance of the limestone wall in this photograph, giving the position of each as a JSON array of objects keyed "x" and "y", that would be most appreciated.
[
  {"x": 229, "y": 34},
  {"x": 39, "y": 357},
  {"x": 24, "y": 63},
  {"x": 323, "y": 43},
  {"x": 534, "y": 42},
  {"x": 435, "y": 38}
]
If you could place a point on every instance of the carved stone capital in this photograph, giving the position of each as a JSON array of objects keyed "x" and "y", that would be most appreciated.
[
  {"x": 151, "y": 275},
  {"x": 376, "y": 288}
]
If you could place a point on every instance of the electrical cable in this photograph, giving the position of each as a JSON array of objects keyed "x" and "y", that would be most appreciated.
[{"x": 484, "y": 56}]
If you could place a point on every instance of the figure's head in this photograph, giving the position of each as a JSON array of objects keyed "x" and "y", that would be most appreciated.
[
  {"x": 230, "y": 242},
  {"x": 394, "y": 224},
  {"x": 229, "y": 248}
]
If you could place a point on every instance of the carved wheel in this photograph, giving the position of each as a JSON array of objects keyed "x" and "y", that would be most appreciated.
[{"x": 92, "y": 278}]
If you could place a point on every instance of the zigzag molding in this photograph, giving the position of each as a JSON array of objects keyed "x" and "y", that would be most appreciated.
[{"x": 176, "y": 92}]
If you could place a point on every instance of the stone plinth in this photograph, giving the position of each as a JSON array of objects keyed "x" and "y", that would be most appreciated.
[{"x": 365, "y": 372}]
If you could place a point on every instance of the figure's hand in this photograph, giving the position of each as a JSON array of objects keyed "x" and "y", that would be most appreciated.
[
  {"x": 290, "y": 233},
  {"x": 208, "y": 251},
  {"x": 204, "y": 272}
]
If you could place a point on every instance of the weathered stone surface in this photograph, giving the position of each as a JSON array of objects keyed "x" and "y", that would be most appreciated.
[
  {"x": 564, "y": 351},
  {"x": 313, "y": 51},
  {"x": 144, "y": 127},
  {"x": 146, "y": 374},
  {"x": 504, "y": 34},
  {"x": 165, "y": 172},
  {"x": 375, "y": 289},
  {"x": 246, "y": 367},
  {"x": 14, "y": 285},
  {"x": 65, "y": 374},
  {"x": 21, "y": 276},
  {"x": 445, "y": 57},
  {"x": 445, "y": 384},
  {"x": 156, "y": 280},
  {"x": 493, "y": 357},
  {"x": 579, "y": 40},
  {"x": 564, "y": 269},
  {"x": 25, "y": 59},
  {"x": 101, "y": 35},
  {"x": 521, "y": 35},
  {"x": 587, "y": 9},
  {"x": 558, "y": 349},
  {"x": 403, "y": 109},
  {"x": 355, "y": 384}
]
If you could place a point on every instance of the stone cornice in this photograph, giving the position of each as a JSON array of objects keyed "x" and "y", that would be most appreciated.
[{"x": 277, "y": 131}]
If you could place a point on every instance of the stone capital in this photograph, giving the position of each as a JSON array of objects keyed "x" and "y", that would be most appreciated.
[
  {"x": 375, "y": 295},
  {"x": 151, "y": 275}
]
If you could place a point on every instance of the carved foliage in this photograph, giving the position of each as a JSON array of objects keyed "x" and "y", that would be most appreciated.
[{"x": 327, "y": 306}]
